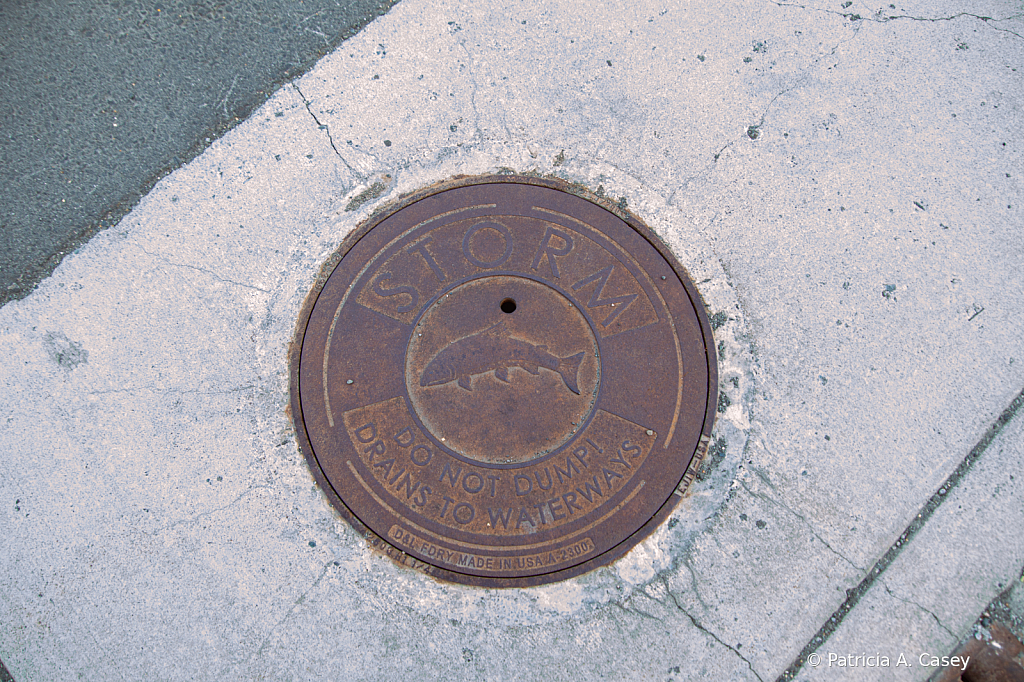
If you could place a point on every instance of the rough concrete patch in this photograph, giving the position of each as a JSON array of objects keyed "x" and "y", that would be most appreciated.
[
  {"x": 374, "y": 191},
  {"x": 66, "y": 353},
  {"x": 661, "y": 554},
  {"x": 716, "y": 453}
]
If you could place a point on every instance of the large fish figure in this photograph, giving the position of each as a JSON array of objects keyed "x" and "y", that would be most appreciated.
[{"x": 493, "y": 349}]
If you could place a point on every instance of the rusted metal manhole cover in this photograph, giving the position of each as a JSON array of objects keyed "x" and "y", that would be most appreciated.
[{"x": 501, "y": 382}]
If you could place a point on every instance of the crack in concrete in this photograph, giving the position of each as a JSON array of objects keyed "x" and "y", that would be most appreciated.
[
  {"x": 881, "y": 18},
  {"x": 703, "y": 629},
  {"x": 287, "y": 615},
  {"x": 755, "y": 129},
  {"x": 1006, "y": 30},
  {"x": 854, "y": 595},
  {"x": 96, "y": 643},
  {"x": 638, "y": 612},
  {"x": 202, "y": 270},
  {"x": 693, "y": 579},
  {"x": 210, "y": 512},
  {"x": 473, "y": 94},
  {"x": 767, "y": 108},
  {"x": 803, "y": 519},
  {"x": 699, "y": 176},
  {"x": 914, "y": 603},
  {"x": 702, "y": 174},
  {"x": 958, "y": 15},
  {"x": 321, "y": 126},
  {"x": 326, "y": 129}
]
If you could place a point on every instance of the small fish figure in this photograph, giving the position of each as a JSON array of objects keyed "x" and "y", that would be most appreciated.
[{"x": 493, "y": 349}]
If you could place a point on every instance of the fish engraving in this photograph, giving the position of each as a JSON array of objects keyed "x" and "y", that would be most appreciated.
[{"x": 494, "y": 350}]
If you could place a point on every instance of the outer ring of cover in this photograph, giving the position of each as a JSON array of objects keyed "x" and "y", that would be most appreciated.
[{"x": 396, "y": 554}]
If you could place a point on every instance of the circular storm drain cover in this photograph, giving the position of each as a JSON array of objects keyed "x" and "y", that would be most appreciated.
[{"x": 503, "y": 383}]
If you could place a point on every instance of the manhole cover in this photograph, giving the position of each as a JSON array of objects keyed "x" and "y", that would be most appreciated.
[{"x": 503, "y": 383}]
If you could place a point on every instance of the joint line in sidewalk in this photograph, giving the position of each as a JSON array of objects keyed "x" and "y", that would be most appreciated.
[{"x": 934, "y": 502}]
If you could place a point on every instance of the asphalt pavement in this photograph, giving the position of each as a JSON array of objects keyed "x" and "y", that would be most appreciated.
[{"x": 99, "y": 100}]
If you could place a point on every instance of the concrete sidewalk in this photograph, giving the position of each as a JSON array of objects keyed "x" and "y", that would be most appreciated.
[{"x": 844, "y": 183}]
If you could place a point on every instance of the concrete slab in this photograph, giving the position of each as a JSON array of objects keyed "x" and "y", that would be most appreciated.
[
  {"x": 856, "y": 240},
  {"x": 930, "y": 597}
]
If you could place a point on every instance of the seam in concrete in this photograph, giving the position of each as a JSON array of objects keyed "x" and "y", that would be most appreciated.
[
  {"x": 853, "y": 596},
  {"x": 803, "y": 519},
  {"x": 914, "y": 603},
  {"x": 707, "y": 632}
]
